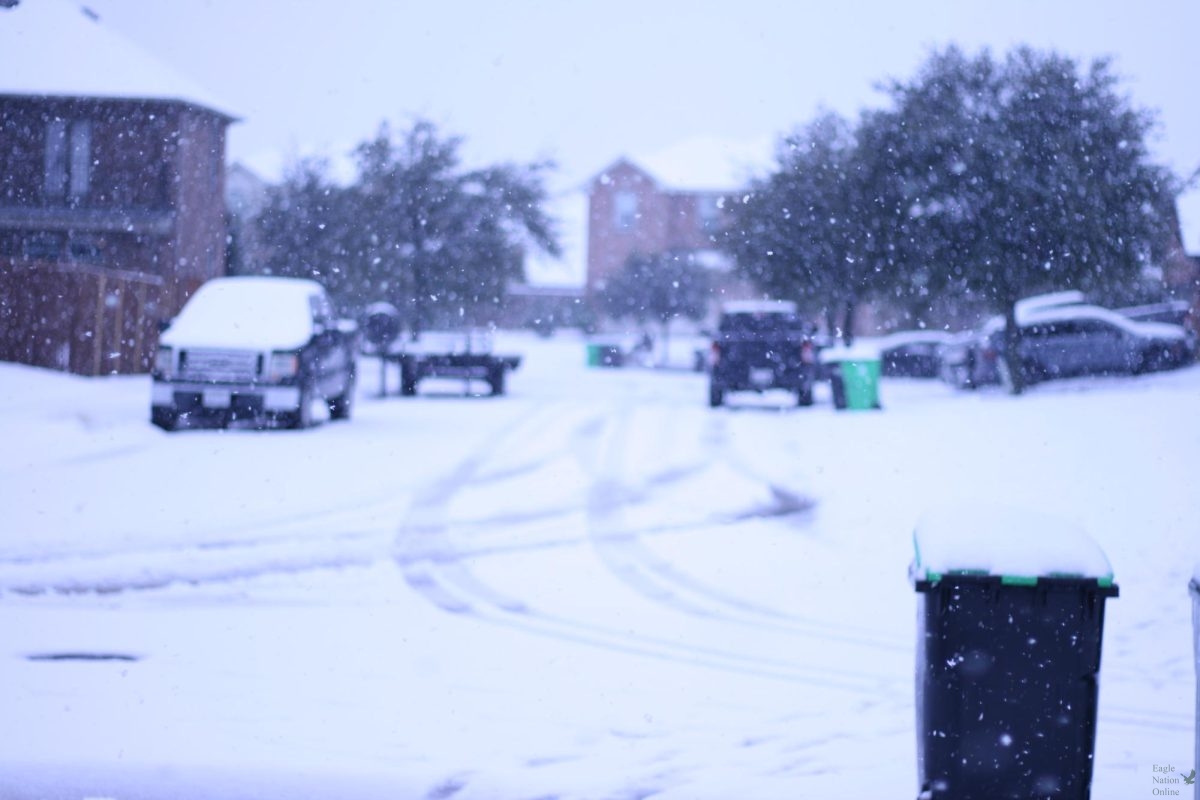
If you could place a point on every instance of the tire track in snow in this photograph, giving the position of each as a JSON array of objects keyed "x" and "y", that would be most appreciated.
[
  {"x": 422, "y": 543},
  {"x": 431, "y": 566},
  {"x": 625, "y": 554},
  {"x": 137, "y": 570},
  {"x": 257, "y": 537}
]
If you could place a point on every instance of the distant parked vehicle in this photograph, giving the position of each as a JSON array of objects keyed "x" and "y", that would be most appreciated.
[
  {"x": 763, "y": 345},
  {"x": 913, "y": 354},
  {"x": 1076, "y": 340},
  {"x": 968, "y": 359},
  {"x": 254, "y": 348}
]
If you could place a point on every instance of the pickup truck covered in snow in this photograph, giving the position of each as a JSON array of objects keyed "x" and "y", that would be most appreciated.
[{"x": 257, "y": 348}]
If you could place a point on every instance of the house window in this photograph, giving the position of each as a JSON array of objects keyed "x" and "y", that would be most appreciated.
[
  {"x": 68, "y": 161},
  {"x": 56, "y": 159},
  {"x": 707, "y": 212},
  {"x": 625, "y": 208},
  {"x": 81, "y": 158}
]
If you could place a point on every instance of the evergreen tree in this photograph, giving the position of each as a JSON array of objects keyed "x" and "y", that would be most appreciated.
[
  {"x": 305, "y": 230},
  {"x": 444, "y": 242},
  {"x": 807, "y": 232},
  {"x": 439, "y": 242},
  {"x": 1007, "y": 178}
]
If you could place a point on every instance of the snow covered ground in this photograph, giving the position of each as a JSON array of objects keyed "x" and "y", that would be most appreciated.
[{"x": 594, "y": 587}]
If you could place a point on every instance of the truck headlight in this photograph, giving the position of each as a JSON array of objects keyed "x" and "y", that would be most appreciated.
[
  {"x": 163, "y": 361},
  {"x": 282, "y": 365}
]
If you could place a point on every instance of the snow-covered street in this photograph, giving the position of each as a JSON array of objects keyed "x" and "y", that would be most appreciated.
[{"x": 593, "y": 587}]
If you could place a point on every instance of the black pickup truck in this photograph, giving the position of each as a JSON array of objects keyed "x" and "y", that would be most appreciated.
[{"x": 761, "y": 345}]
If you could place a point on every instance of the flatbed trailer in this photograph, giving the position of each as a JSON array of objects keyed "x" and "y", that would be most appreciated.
[{"x": 467, "y": 357}]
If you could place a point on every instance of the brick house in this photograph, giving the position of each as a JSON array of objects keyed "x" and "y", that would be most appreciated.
[
  {"x": 111, "y": 195},
  {"x": 631, "y": 212}
]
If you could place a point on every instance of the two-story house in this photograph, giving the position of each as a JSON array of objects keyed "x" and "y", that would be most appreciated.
[
  {"x": 678, "y": 205},
  {"x": 111, "y": 192},
  {"x": 630, "y": 212}
]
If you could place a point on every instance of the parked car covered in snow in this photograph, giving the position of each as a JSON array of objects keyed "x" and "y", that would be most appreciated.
[
  {"x": 968, "y": 359},
  {"x": 1079, "y": 339},
  {"x": 254, "y": 348},
  {"x": 913, "y": 354}
]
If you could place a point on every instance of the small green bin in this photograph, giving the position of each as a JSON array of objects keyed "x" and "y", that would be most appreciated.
[
  {"x": 604, "y": 354},
  {"x": 861, "y": 380}
]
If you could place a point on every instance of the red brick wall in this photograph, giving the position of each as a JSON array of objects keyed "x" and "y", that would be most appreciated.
[{"x": 610, "y": 245}]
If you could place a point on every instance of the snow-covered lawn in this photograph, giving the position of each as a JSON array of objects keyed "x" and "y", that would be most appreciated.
[{"x": 592, "y": 587}]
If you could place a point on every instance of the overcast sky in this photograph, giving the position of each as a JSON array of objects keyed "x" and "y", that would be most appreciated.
[{"x": 584, "y": 82}]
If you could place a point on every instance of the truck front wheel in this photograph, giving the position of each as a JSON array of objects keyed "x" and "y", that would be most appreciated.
[
  {"x": 302, "y": 416},
  {"x": 340, "y": 406},
  {"x": 165, "y": 418}
]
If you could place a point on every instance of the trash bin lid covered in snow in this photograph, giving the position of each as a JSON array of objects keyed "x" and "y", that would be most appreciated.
[
  {"x": 859, "y": 351},
  {"x": 1018, "y": 545}
]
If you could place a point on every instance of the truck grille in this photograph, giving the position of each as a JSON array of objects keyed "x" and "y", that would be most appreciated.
[{"x": 219, "y": 366}]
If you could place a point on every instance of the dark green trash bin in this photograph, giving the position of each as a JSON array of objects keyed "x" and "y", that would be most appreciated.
[{"x": 1008, "y": 655}]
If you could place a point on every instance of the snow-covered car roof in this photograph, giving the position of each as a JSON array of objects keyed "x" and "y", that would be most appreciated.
[
  {"x": 1039, "y": 314},
  {"x": 248, "y": 313},
  {"x": 1049, "y": 300},
  {"x": 1038, "y": 302}
]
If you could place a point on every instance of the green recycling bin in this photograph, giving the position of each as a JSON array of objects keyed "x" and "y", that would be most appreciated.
[
  {"x": 854, "y": 375},
  {"x": 861, "y": 381},
  {"x": 1008, "y": 654},
  {"x": 605, "y": 354}
]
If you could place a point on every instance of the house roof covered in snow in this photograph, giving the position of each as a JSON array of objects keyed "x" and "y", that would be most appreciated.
[
  {"x": 60, "y": 48},
  {"x": 703, "y": 164},
  {"x": 708, "y": 163}
]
